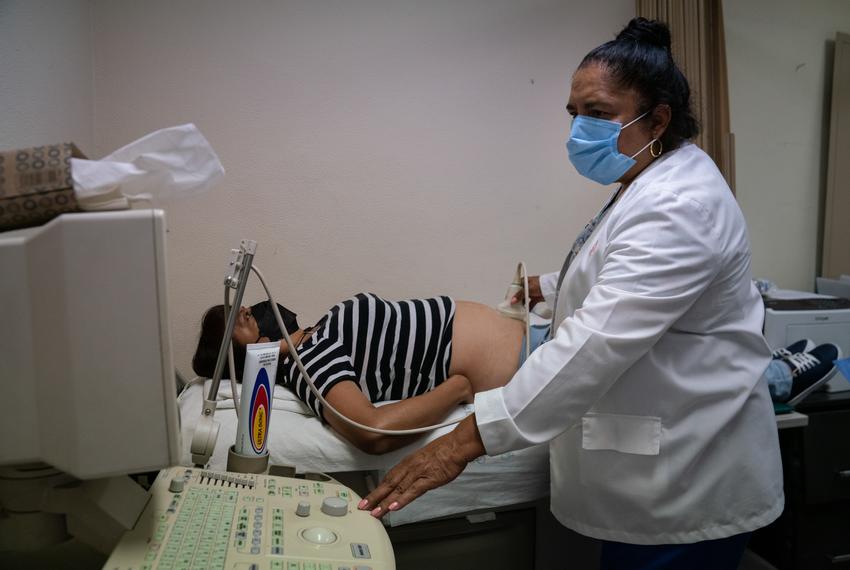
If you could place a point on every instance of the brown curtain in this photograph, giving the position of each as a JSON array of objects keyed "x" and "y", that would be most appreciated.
[{"x": 699, "y": 48}]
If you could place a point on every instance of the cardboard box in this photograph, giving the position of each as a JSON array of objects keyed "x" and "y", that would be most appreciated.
[{"x": 36, "y": 184}]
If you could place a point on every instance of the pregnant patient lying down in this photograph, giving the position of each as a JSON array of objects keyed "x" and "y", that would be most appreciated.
[{"x": 427, "y": 355}]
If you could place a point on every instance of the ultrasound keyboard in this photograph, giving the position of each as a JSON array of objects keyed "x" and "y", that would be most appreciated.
[{"x": 199, "y": 519}]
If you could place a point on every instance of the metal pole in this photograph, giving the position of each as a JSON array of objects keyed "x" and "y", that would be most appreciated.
[{"x": 242, "y": 264}]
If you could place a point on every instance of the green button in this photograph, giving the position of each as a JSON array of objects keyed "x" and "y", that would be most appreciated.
[
  {"x": 309, "y": 566},
  {"x": 293, "y": 566},
  {"x": 277, "y": 565}
]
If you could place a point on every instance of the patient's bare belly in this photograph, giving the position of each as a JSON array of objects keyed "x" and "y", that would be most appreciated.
[{"x": 485, "y": 345}]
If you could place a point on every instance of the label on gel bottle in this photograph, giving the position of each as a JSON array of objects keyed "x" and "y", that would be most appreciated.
[{"x": 256, "y": 405}]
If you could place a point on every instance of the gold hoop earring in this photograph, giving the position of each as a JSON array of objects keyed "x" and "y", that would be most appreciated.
[{"x": 652, "y": 148}]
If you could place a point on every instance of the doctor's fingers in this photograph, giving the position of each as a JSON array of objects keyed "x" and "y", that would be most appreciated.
[
  {"x": 413, "y": 477},
  {"x": 534, "y": 293},
  {"x": 398, "y": 481}
]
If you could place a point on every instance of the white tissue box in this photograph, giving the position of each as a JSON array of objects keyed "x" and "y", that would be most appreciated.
[{"x": 36, "y": 184}]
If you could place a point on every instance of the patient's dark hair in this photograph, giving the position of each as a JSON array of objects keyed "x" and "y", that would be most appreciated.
[{"x": 212, "y": 329}]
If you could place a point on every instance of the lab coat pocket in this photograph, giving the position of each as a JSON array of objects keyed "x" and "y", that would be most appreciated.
[
  {"x": 623, "y": 452},
  {"x": 640, "y": 435}
]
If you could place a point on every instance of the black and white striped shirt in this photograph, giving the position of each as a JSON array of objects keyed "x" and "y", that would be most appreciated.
[{"x": 392, "y": 349}]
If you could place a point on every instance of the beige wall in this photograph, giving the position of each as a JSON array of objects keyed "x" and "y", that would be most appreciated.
[
  {"x": 780, "y": 70},
  {"x": 402, "y": 147},
  {"x": 45, "y": 73},
  {"x": 408, "y": 148}
]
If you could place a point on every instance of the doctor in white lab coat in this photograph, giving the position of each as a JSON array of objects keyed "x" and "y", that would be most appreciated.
[{"x": 662, "y": 434}]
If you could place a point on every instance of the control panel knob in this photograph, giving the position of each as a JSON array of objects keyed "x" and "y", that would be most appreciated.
[
  {"x": 303, "y": 509},
  {"x": 335, "y": 506},
  {"x": 319, "y": 535},
  {"x": 176, "y": 485}
]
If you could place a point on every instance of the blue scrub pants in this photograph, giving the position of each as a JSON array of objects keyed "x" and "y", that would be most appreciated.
[{"x": 721, "y": 554}]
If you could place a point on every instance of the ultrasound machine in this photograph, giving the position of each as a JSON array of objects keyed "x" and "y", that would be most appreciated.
[{"x": 88, "y": 383}]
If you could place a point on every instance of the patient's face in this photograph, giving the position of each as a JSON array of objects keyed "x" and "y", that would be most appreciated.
[{"x": 245, "y": 331}]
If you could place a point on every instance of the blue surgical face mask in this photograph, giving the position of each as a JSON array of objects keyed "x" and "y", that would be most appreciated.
[{"x": 593, "y": 148}]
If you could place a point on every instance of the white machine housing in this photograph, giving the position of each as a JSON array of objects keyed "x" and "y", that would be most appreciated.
[
  {"x": 783, "y": 327},
  {"x": 84, "y": 365}
]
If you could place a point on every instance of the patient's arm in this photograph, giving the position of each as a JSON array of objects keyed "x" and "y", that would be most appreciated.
[{"x": 423, "y": 410}]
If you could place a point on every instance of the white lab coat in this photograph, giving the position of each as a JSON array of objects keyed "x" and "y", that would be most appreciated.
[{"x": 660, "y": 425}]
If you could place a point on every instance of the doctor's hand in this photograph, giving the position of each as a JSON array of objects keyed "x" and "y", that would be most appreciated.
[
  {"x": 433, "y": 466},
  {"x": 534, "y": 294}
]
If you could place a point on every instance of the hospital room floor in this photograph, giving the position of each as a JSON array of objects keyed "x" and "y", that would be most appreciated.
[
  {"x": 73, "y": 555},
  {"x": 753, "y": 561}
]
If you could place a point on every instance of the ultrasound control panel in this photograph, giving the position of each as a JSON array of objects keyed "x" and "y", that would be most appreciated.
[{"x": 215, "y": 520}]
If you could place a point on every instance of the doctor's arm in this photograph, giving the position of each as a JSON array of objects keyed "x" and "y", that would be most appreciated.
[
  {"x": 432, "y": 466},
  {"x": 659, "y": 259},
  {"x": 658, "y": 262}
]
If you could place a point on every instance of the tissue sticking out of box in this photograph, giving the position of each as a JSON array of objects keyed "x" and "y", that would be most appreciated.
[{"x": 169, "y": 163}]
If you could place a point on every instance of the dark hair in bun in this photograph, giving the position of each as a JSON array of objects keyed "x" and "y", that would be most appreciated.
[
  {"x": 639, "y": 58},
  {"x": 646, "y": 31}
]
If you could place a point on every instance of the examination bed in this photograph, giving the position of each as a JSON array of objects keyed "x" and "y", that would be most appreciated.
[
  {"x": 499, "y": 503},
  {"x": 298, "y": 438}
]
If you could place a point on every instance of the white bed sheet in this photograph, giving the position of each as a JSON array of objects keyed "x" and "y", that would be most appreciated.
[{"x": 298, "y": 438}]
